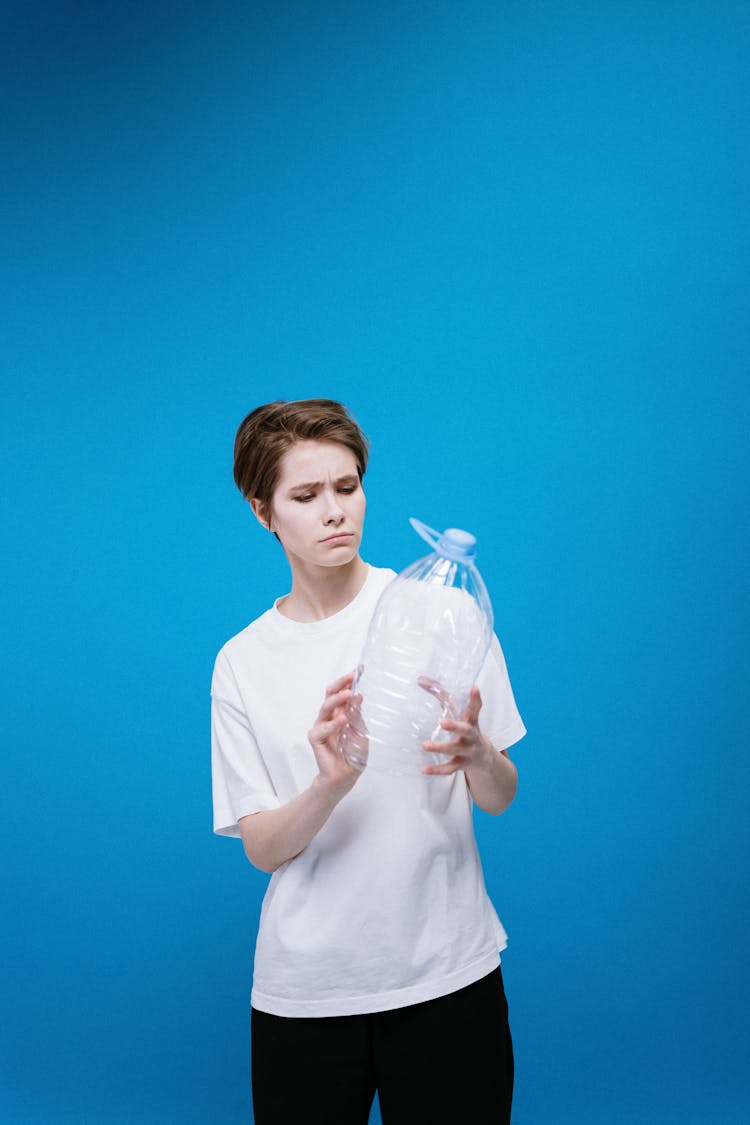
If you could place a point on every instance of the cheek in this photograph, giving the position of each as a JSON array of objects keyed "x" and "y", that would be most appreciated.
[{"x": 300, "y": 518}]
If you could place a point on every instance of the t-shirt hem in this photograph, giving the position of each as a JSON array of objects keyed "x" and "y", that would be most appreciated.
[
  {"x": 383, "y": 1001},
  {"x": 226, "y": 826},
  {"x": 508, "y": 736}
]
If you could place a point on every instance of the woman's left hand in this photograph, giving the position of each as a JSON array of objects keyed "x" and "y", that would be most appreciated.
[{"x": 468, "y": 747}]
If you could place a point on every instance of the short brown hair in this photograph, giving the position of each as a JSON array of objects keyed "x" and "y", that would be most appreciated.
[{"x": 268, "y": 431}]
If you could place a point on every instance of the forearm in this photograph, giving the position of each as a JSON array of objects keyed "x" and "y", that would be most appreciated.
[
  {"x": 273, "y": 836},
  {"x": 493, "y": 779}
]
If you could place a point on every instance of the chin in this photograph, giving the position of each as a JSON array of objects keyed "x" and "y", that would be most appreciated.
[
  {"x": 340, "y": 556},
  {"x": 342, "y": 560}
]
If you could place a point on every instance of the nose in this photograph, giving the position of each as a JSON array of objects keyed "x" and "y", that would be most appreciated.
[{"x": 333, "y": 513}]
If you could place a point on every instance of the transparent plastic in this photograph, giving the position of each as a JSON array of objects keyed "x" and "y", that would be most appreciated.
[{"x": 426, "y": 644}]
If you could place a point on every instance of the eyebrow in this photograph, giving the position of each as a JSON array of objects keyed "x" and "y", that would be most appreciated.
[{"x": 350, "y": 478}]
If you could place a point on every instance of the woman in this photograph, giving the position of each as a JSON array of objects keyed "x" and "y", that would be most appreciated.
[{"x": 376, "y": 964}]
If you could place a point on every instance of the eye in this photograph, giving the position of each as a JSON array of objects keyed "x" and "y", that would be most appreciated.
[
  {"x": 348, "y": 488},
  {"x": 304, "y": 499}
]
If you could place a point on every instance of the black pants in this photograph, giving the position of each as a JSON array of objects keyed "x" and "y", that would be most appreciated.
[{"x": 447, "y": 1060}]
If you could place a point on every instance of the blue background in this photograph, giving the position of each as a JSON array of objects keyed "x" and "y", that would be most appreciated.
[{"x": 513, "y": 238}]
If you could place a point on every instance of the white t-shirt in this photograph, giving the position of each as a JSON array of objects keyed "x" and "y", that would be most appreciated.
[{"x": 386, "y": 906}]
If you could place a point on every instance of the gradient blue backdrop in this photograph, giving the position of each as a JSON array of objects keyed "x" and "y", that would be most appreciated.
[{"x": 513, "y": 237}]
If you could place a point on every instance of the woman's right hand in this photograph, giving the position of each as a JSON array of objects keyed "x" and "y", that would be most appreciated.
[
  {"x": 274, "y": 836},
  {"x": 325, "y": 738}
]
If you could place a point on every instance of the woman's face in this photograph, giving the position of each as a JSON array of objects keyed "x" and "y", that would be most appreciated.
[{"x": 318, "y": 506}]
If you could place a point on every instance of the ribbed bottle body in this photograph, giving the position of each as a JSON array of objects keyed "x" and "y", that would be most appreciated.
[{"x": 426, "y": 644}]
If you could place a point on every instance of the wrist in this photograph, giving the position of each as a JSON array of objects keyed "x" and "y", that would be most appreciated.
[
  {"x": 330, "y": 790},
  {"x": 485, "y": 756}
]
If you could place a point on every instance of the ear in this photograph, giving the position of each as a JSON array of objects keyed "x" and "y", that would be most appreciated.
[{"x": 261, "y": 513}]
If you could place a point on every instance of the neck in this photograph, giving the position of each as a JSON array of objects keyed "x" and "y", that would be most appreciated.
[{"x": 319, "y": 592}]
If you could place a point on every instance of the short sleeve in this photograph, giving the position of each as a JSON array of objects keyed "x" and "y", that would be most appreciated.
[
  {"x": 240, "y": 780},
  {"x": 499, "y": 719}
]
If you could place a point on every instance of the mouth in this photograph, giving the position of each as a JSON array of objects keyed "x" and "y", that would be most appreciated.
[{"x": 339, "y": 537}]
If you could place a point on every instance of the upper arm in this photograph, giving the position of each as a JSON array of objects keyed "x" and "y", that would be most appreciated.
[
  {"x": 499, "y": 719},
  {"x": 240, "y": 778}
]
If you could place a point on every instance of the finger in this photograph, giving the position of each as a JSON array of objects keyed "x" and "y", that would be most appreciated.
[
  {"x": 474, "y": 706},
  {"x": 332, "y": 702},
  {"x": 340, "y": 683},
  {"x": 445, "y": 770},
  {"x": 323, "y": 730},
  {"x": 335, "y": 703},
  {"x": 452, "y": 748},
  {"x": 459, "y": 727}
]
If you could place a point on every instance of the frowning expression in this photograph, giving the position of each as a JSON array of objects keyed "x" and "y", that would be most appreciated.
[{"x": 318, "y": 505}]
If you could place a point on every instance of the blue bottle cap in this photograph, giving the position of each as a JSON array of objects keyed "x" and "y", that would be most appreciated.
[{"x": 453, "y": 544}]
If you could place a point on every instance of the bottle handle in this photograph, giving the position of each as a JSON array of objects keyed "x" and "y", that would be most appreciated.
[
  {"x": 424, "y": 532},
  {"x": 445, "y": 699}
]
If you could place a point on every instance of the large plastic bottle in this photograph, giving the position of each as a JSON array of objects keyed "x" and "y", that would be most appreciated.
[{"x": 426, "y": 644}]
